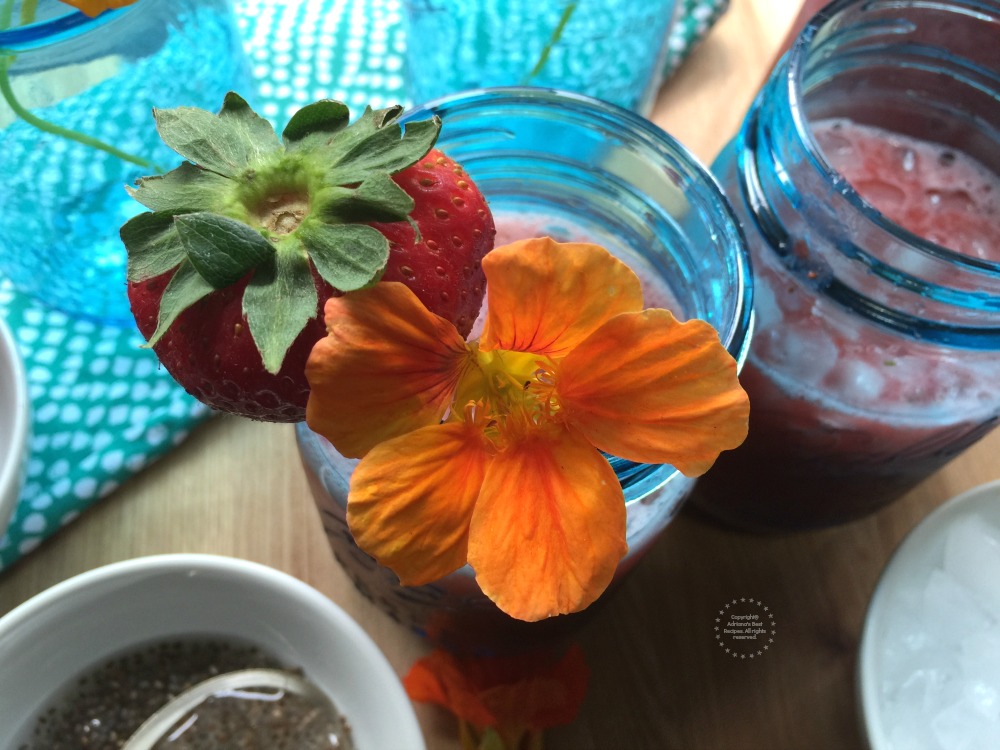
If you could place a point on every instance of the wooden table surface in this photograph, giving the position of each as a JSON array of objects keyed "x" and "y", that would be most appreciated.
[{"x": 658, "y": 678}]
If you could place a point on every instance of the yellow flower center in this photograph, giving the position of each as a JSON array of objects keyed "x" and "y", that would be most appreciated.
[{"x": 516, "y": 390}]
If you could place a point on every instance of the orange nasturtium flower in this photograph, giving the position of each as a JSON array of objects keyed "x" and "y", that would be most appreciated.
[
  {"x": 487, "y": 452},
  {"x": 502, "y": 703},
  {"x": 96, "y": 7}
]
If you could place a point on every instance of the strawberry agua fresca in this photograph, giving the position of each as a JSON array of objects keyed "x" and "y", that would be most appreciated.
[
  {"x": 575, "y": 170},
  {"x": 873, "y": 218}
]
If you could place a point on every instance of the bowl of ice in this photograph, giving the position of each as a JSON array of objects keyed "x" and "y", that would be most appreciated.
[{"x": 929, "y": 662}]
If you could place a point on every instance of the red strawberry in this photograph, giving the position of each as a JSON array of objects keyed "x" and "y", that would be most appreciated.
[
  {"x": 456, "y": 231},
  {"x": 229, "y": 273}
]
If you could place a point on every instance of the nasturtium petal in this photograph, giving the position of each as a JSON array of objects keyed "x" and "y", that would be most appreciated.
[
  {"x": 549, "y": 527},
  {"x": 96, "y": 7},
  {"x": 546, "y": 297},
  {"x": 533, "y": 690},
  {"x": 411, "y": 500},
  {"x": 387, "y": 366},
  {"x": 442, "y": 679},
  {"x": 648, "y": 388},
  {"x": 549, "y": 693}
]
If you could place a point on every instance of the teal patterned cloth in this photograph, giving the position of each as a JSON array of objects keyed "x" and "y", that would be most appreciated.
[{"x": 102, "y": 407}]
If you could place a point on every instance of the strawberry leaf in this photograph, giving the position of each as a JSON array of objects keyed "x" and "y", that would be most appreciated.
[
  {"x": 315, "y": 124},
  {"x": 382, "y": 117},
  {"x": 347, "y": 256},
  {"x": 187, "y": 188},
  {"x": 387, "y": 150},
  {"x": 377, "y": 130},
  {"x": 153, "y": 245},
  {"x": 378, "y": 198},
  {"x": 229, "y": 143},
  {"x": 258, "y": 131},
  {"x": 185, "y": 288},
  {"x": 279, "y": 301},
  {"x": 222, "y": 250},
  {"x": 364, "y": 127}
]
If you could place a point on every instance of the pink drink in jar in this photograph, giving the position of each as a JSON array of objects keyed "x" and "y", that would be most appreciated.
[
  {"x": 931, "y": 190},
  {"x": 870, "y": 201}
]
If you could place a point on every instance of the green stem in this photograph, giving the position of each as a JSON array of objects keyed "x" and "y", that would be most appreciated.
[
  {"x": 553, "y": 40},
  {"x": 27, "y": 16},
  {"x": 28, "y": 8},
  {"x": 6, "y": 14},
  {"x": 8, "y": 94}
]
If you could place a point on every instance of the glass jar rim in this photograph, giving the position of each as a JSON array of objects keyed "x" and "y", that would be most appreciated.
[
  {"x": 737, "y": 334},
  {"x": 59, "y": 28},
  {"x": 792, "y": 80}
]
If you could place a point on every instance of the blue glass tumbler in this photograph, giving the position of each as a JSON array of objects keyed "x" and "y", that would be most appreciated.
[
  {"x": 63, "y": 201},
  {"x": 573, "y": 168},
  {"x": 876, "y": 353},
  {"x": 612, "y": 50}
]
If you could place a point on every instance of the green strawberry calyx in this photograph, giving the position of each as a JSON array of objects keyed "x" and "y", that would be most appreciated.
[{"x": 247, "y": 202}]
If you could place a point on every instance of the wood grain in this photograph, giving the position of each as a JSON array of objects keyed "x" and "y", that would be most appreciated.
[{"x": 659, "y": 681}]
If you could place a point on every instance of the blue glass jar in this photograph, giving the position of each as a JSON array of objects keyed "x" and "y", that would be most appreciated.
[
  {"x": 64, "y": 200},
  {"x": 876, "y": 356},
  {"x": 570, "y": 167},
  {"x": 614, "y": 50}
]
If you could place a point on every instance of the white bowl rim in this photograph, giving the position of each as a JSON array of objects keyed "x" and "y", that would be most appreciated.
[
  {"x": 361, "y": 642},
  {"x": 870, "y": 715},
  {"x": 12, "y": 463}
]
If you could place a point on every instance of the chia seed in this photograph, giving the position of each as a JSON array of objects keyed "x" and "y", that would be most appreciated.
[{"x": 101, "y": 709}]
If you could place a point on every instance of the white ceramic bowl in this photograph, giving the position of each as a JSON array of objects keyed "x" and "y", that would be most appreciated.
[
  {"x": 900, "y": 591},
  {"x": 14, "y": 421},
  {"x": 77, "y": 624}
]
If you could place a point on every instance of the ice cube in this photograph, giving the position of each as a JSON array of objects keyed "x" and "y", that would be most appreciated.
[
  {"x": 972, "y": 557},
  {"x": 924, "y": 689},
  {"x": 979, "y": 659},
  {"x": 765, "y": 308},
  {"x": 951, "y": 612},
  {"x": 805, "y": 357},
  {"x": 955, "y": 727},
  {"x": 903, "y": 637},
  {"x": 984, "y": 698},
  {"x": 961, "y": 726},
  {"x": 908, "y": 733},
  {"x": 856, "y": 382},
  {"x": 885, "y": 196}
]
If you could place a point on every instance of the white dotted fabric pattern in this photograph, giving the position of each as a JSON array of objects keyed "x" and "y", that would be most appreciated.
[{"x": 102, "y": 407}]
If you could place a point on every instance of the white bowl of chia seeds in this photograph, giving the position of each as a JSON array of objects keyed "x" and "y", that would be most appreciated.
[
  {"x": 14, "y": 424},
  {"x": 87, "y": 662}
]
